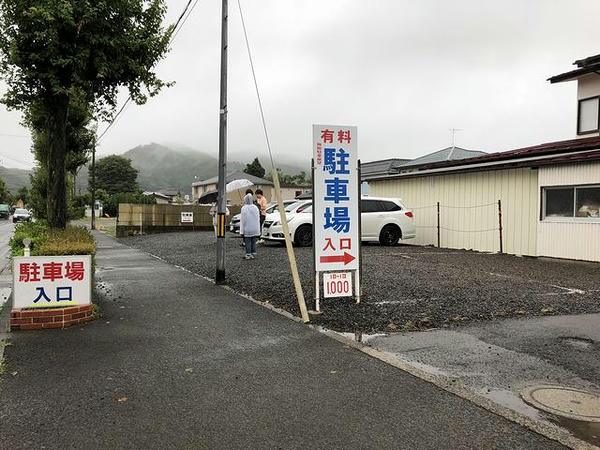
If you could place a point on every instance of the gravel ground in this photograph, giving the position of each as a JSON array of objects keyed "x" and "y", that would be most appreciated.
[{"x": 404, "y": 287}]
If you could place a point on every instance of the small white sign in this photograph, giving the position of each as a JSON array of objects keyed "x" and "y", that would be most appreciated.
[
  {"x": 187, "y": 217},
  {"x": 337, "y": 284},
  {"x": 52, "y": 281}
]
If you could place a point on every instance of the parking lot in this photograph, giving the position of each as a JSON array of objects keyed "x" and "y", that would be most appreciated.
[{"x": 404, "y": 287}]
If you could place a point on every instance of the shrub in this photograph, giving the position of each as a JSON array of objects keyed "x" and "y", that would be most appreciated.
[
  {"x": 70, "y": 241},
  {"x": 37, "y": 232},
  {"x": 45, "y": 242},
  {"x": 111, "y": 206}
]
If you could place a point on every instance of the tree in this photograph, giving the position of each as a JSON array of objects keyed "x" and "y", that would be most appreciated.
[
  {"x": 255, "y": 168},
  {"x": 22, "y": 194},
  {"x": 115, "y": 174},
  {"x": 52, "y": 52},
  {"x": 4, "y": 194}
]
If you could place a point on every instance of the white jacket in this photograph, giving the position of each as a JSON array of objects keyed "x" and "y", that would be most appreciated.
[{"x": 250, "y": 220}]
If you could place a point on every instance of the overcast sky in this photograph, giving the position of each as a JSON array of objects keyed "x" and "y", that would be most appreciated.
[{"x": 404, "y": 71}]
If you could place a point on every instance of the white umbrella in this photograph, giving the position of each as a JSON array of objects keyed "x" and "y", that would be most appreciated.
[{"x": 238, "y": 184}]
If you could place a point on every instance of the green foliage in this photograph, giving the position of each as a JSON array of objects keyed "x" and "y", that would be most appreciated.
[
  {"x": 4, "y": 194},
  {"x": 301, "y": 179},
  {"x": 114, "y": 174},
  {"x": 111, "y": 206},
  {"x": 255, "y": 168},
  {"x": 46, "y": 242},
  {"x": 22, "y": 194},
  {"x": 64, "y": 61},
  {"x": 38, "y": 193},
  {"x": 77, "y": 205},
  {"x": 37, "y": 232}
]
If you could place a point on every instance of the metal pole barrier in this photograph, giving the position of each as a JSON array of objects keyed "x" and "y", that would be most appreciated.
[
  {"x": 222, "y": 195},
  {"x": 358, "y": 275},
  {"x": 317, "y": 280},
  {"x": 500, "y": 224},
  {"x": 290, "y": 249},
  {"x": 438, "y": 223}
]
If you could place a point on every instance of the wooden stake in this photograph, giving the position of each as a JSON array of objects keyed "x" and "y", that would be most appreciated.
[{"x": 290, "y": 249}]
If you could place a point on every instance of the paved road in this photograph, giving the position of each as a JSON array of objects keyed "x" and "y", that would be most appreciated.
[{"x": 176, "y": 362}]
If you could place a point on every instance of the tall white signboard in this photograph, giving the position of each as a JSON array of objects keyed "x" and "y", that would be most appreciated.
[{"x": 336, "y": 200}]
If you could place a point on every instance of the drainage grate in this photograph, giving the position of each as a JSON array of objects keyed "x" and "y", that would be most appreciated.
[{"x": 564, "y": 401}]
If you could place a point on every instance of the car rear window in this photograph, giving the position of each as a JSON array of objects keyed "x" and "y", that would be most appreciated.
[{"x": 21, "y": 211}]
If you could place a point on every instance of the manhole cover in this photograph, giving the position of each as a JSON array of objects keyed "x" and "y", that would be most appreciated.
[{"x": 568, "y": 402}]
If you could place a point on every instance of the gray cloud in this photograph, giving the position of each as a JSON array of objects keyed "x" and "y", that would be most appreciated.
[{"x": 404, "y": 72}]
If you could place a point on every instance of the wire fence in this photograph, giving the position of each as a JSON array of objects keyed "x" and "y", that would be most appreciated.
[{"x": 453, "y": 225}]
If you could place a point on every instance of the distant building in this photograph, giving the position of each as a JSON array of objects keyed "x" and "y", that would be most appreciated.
[
  {"x": 159, "y": 197},
  {"x": 549, "y": 193},
  {"x": 381, "y": 167}
]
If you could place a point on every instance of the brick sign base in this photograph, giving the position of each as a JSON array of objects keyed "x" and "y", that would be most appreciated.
[{"x": 36, "y": 319}]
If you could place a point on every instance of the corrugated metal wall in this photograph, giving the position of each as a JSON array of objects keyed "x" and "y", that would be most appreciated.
[
  {"x": 469, "y": 211},
  {"x": 569, "y": 239}
]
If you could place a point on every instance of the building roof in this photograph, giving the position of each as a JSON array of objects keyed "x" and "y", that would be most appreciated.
[
  {"x": 239, "y": 175},
  {"x": 587, "y": 65},
  {"x": 446, "y": 154},
  {"x": 561, "y": 152},
  {"x": 380, "y": 167},
  {"x": 156, "y": 194}
]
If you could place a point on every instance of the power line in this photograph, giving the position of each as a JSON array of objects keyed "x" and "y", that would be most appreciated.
[
  {"x": 14, "y": 135},
  {"x": 181, "y": 20},
  {"x": 262, "y": 114}
]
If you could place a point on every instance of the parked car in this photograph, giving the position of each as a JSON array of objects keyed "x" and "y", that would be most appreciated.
[
  {"x": 4, "y": 211},
  {"x": 234, "y": 225},
  {"x": 21, "y": 215},
  {"x": 383, "y": 220}
]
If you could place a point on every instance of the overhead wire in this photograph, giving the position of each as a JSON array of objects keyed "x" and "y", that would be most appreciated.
[
  {"x": 260, "y": 106},
  {"x": 181, "y": 20}
]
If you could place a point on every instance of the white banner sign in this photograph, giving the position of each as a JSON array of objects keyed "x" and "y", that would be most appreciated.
[
  {"x": 337, "y": 197},
  {"x": 52, "y": 281},
  {"x": 187, "y": 217}
]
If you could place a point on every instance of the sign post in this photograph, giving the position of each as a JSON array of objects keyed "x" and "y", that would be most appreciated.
[{"x": 336, "y": 209}]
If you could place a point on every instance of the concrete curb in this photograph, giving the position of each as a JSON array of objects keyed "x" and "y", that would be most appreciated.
[{"x": 545, "y": 429}]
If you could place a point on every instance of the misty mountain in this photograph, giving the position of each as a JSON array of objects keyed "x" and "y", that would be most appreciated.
[
  {"x": 175, "y": 168},
  {"x": 15, "y": 179}
]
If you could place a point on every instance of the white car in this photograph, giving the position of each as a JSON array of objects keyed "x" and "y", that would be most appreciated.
[
  {"x": 383, "y": 220},
  {"x": 234, "y": 225}
]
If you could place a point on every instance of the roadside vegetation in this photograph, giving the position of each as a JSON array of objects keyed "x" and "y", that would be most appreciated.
[{"x": 73, "y": 240}]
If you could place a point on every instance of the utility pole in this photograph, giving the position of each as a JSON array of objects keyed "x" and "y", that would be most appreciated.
[
  {"x": 222, "y": 195},
  {"x": 93, "y": 188}
]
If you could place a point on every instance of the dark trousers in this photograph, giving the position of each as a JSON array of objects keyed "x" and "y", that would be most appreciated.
[
  {"x": 250, "y": 243},
  {"x": 262, "y": 220}
]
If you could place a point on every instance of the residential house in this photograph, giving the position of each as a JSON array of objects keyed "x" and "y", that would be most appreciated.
[{"x": 545, "y": 198}]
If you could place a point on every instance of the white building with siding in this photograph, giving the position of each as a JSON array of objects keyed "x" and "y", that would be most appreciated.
[{"x": 549, "y": 194}]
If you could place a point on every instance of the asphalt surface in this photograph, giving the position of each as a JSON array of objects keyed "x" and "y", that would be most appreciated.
[
  {"x": 404, "y": 287},
  {"x": 499, "y": 359},
  {"x": 176, "y": 362}
]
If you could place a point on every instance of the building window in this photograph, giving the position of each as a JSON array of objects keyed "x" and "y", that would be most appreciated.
[
  {"x": 572, "y": 202},
  {"x": 588, "y": 116}
]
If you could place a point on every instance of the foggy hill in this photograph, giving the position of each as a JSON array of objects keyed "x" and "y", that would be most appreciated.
[{"x": 15, "y": 179}]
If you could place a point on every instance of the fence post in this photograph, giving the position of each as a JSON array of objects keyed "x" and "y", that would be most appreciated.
[
  {"x": 438, "y": 223},
  {"x": 500, "y": 223}
]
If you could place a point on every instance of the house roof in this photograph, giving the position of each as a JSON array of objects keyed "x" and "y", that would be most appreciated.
[
  {"x": 380, "y": 167},
  {"x": 239, "y": 175},
  {"x": 446, "y": 154},
  {"x": 156, "y": 194},
  {"x": 587, "y": 65},
  {"x": 561, "y": 152}
]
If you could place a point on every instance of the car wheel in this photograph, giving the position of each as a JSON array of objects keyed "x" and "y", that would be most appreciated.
[
  {"x": 303, "y": 236},
  {"x": 390, "y": 235}
]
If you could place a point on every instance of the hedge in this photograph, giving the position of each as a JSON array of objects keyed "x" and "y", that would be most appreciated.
[{"x": 72, "y": 240}]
